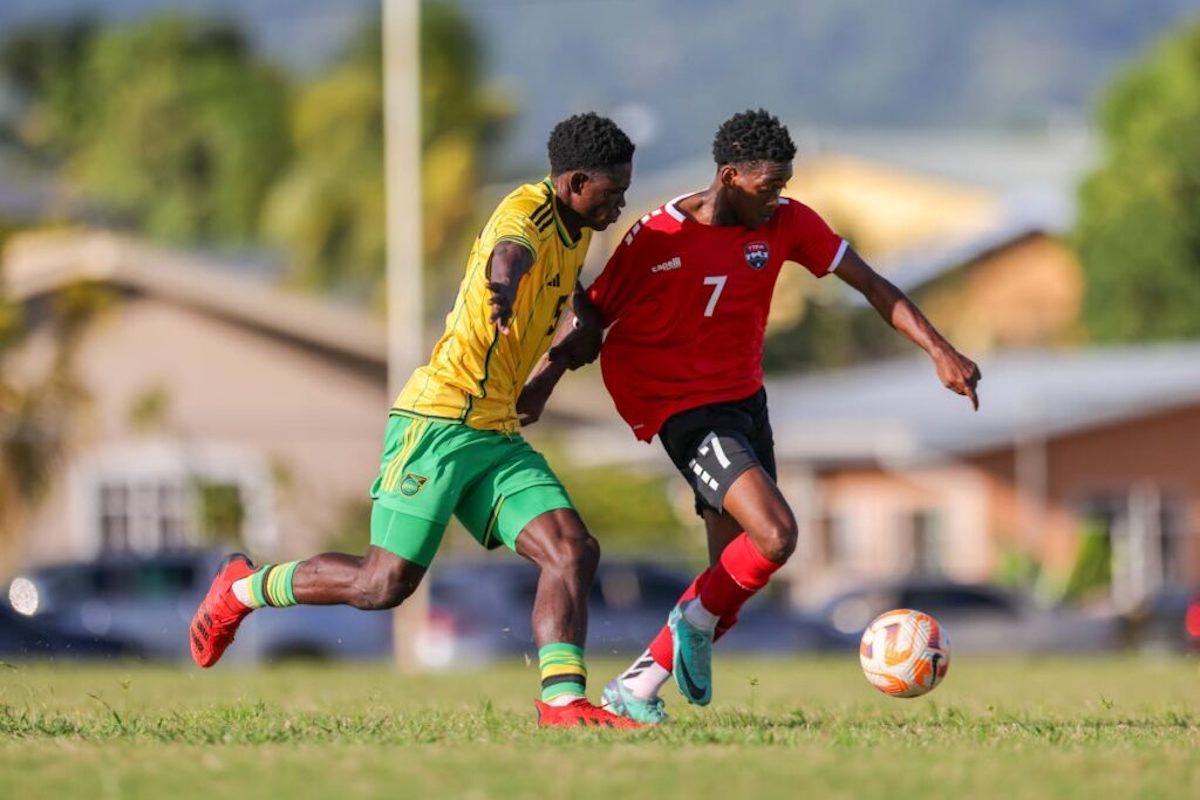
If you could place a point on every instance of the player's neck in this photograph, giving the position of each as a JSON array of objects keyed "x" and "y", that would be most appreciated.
[
  {"x": 572, "y": 222},
  {"x": 709, "y": 208}
]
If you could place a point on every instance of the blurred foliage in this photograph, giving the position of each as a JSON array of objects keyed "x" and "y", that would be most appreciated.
[
  {"x": 329, "y": 210},
  {"x": 150, "y": 409},
  {"x": 832, "y": 334},
  {"x": 1139, "y": 224},
  {"x": 184, "y": 134},
  {"x": 172, "y": 123},
  {"x": 626, "y": 510},
  {"x": 37, "y": 404},
  {"x": 220, "y": 511},
  {"x": 350, "y": 531},
  {"x": 1092, "y": 570},
  {"x": 1016, "y": 568}
]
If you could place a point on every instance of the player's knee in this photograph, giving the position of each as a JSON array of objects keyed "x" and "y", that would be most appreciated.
[
  {"x": 574, "y": 551},
  {"x": 778, "y": 540},
  {"x": 384, "y": 590}
]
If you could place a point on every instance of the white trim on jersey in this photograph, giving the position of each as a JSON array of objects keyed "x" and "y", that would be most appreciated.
[
  {"x": 837, "y": 259},
  {"x": 675, "y": 212}
]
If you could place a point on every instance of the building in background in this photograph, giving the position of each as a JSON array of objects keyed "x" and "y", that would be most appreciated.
[{"x": 222, "y": 409}]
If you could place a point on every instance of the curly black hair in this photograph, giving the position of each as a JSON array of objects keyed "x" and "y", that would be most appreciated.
[
  {"x": 752, "y": 136},
  {"x": 588, "y": 141}
]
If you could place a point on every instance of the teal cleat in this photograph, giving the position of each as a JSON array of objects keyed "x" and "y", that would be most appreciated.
[
  {"x": 619, "y": 700},
  {"x": 693, "y": 658}
]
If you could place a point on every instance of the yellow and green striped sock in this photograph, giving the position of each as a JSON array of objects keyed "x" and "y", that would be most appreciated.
[
  {"x": 271, "y": 585},
  {"x": 564, "y": 675}
]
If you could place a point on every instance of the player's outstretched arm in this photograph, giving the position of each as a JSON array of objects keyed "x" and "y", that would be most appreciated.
[{"x": 958, "y": 373}]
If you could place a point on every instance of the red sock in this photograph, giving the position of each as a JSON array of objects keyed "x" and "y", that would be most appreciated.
[
  {"x": 663, "y": 648},
  {"x": 740, "y": 572}
]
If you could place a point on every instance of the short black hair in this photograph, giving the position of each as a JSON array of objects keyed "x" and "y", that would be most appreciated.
[
  {"x": 753, "y": 136},
  {"x": 588, "y": 141}
]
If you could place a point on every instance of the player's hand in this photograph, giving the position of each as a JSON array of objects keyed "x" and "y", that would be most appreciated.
[
  {"x": 580, "y": 347},
  {"x": 958, "y": 373},
  {"x": 501, "y": 302},
  {"x": 532, "y": 402}
]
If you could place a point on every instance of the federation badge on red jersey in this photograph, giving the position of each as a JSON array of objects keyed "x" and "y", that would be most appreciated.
[{"x": 757, "y": 255}]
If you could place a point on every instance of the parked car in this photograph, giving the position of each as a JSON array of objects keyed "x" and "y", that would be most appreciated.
[
  {"x": 23, "y": 639},
  {"x": 976, "y": 617},
  {"x": 480, "y": 609},
  {"x": 144, "y": 605},
  {"x": 1169, "y": 621}
]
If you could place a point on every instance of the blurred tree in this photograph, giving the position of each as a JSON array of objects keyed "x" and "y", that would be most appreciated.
[
  {"x": 832, "y": 333},
  {"x": 42, "y": 65},
  {"x": 328, "y": 210},
  {"x": 172, "y": 122},
  {"x": 1139, "y": 226},
  {"x": 36, "y": 406}
]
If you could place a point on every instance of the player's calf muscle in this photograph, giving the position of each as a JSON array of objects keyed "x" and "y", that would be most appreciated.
[{"x": 756, "y": 503}]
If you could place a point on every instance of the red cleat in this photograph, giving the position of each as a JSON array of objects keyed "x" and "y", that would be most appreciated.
[
  {"x": 217, "y": 619},
  {"x": 580, "y": 714}
]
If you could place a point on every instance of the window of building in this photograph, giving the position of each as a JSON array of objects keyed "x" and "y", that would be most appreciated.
[
  {"x": 925, "y": 541},
  {"x": 1140, "y": 533},
  {"x": 834, "y": 537},
  {"x": 162, "y": 497}
]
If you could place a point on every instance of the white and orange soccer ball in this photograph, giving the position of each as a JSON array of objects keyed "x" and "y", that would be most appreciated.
[{"x": 904, "y": 653}]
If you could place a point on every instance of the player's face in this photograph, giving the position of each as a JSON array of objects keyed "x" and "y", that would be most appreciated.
[
  {"x": 753, "y": 189},
  {"x": 600, "y": 196}
]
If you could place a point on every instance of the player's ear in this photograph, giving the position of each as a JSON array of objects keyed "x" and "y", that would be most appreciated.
[
  {"x": 727, "y": 174},
  {"x": 578, "y": 179}
]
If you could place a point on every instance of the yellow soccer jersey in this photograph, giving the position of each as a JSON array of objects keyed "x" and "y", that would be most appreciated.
[{"x": 475, "y": 374}]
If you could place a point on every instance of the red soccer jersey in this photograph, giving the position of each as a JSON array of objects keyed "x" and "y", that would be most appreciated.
[{"x": 686, "y": 307}]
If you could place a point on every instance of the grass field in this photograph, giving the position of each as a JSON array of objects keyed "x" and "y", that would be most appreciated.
[{"x": 1119, "y": 728}]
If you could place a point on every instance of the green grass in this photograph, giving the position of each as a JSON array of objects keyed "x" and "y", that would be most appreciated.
[{"x": 797, "y": 729}]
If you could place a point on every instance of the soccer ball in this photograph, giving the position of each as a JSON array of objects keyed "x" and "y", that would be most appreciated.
[{"x": 904, "y": 653}]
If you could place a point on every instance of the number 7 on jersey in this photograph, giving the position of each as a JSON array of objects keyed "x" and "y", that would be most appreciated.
[{"x": 718, "y": 284}]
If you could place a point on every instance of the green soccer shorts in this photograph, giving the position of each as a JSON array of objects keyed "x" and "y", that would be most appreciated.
[{"x": 494, "y": 483}]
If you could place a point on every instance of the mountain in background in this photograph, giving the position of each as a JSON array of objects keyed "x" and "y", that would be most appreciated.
[{"x": 671, "y": 70}]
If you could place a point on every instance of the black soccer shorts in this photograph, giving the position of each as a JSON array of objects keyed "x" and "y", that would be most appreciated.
[{"x": 712, "y": 445}]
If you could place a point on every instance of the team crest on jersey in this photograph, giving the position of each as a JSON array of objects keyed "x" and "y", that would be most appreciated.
[
  {"x": 412, "y": 483},
  {"x": 757, "y": 254}
]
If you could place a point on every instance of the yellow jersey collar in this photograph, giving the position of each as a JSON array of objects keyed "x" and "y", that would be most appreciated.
[{"x": 558, "y": 225}]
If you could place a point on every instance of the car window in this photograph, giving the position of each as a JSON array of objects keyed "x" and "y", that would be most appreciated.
[
  {"x": 851, "y": 613},
  {"x": 953, "y": 600},
  {"x": 661, "y": 588}
]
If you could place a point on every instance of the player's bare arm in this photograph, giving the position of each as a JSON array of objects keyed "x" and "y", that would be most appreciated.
[
  {"x": 576, "y": 344},
  {"x": 958, "y": 373},
  {"x": 509, "y": 263}
]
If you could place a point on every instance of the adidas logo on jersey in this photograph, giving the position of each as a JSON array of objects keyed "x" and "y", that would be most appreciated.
[
  {"x": 555, "y": 281},
  {"x": 667, "y": 266}
]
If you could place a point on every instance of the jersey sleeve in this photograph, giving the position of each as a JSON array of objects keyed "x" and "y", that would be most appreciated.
[
  {"x": 512, "y": 223},
  {"x": 813, "y": 243},
  {"x": 613, "y": 288}
]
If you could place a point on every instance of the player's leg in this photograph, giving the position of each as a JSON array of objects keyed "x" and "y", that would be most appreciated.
[
  {"x": 635, "y": 692},
  {"x": 406, "y": 531},
  {"x": 757, "y": 531},
  {"x": 521, "y": 504},
  {"x": 382, "y": 578}
]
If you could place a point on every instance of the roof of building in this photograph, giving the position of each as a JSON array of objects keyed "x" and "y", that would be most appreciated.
[
  {"x": 42, "y": 262},
  {"x": 898, "y": 411}
]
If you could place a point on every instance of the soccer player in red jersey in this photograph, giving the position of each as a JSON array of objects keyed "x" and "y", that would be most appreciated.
[{"x": 684, "y": 299}]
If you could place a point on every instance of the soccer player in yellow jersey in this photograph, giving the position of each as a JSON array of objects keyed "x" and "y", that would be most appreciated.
[{"x": 453, "y": 444}]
